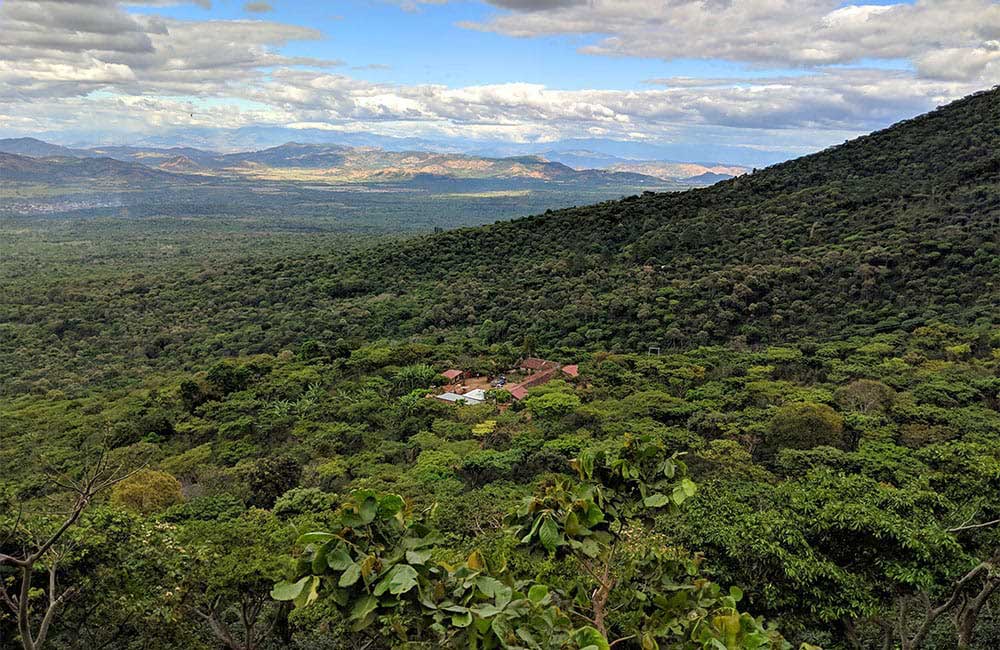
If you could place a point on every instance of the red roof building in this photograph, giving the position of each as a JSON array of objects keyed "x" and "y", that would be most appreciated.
[
  {"x": 571, "y": 370},
  {"x": 517, "y": 391},
  {"x": 534, "y": 363},
  {"x": 539, "y": 378},
  {"x": 453, "y": 374}
]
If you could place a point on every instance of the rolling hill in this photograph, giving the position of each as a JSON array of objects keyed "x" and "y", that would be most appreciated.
[
  {"x": 68, "y": 170},
  {"x": 36, "y": 148}
]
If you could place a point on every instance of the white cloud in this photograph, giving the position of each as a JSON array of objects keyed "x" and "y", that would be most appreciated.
[
  {"x": 805, "y": 33},
  {"x": 66, "y": 48}
]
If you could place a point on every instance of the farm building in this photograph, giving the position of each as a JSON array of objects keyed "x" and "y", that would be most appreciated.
[{"x": 473, "y": 397}]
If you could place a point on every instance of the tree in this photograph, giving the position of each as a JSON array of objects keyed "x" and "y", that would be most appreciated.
[
  {"x": 227, "y": 584},
  {"x": 804, "y": 425},
  {"x": 552, "y": 405},
  {"x": 94, "y": 479},
  {"x": 415, "y": 376},
  {"x": 376, "y": 567},
  {"x": 147, "y": 491},
  {"x": 269, "y": 478},
  {"x": 967, "y": 597},
  {"x": 866, "y": 396}
]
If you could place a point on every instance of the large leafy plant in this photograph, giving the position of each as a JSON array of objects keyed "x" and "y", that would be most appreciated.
[
  {"x": 377, "y": 568},
  {"x": 604, "y": 525}
]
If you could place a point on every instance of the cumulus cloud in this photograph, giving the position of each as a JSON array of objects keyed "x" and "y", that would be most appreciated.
[
  {"x": 62, "y": 48},
  {"x": 805, "y": 33},
  {"x": 258, "y": 7}
]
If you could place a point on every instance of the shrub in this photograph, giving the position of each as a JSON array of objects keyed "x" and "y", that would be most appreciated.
[{"x": 551, "y": 406}]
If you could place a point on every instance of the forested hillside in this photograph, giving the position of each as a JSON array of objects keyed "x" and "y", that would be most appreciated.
[
  {"x": 888, "y": 231},
  {"x": 238, "y": 446}
]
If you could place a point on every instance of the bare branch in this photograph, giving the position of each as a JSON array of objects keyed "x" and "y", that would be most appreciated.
[
  {"x": 974, "y": 526},
  {"x": 94, "y": 479}
]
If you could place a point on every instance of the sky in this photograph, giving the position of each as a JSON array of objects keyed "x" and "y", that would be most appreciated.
[{"x": 779, "y": 76}]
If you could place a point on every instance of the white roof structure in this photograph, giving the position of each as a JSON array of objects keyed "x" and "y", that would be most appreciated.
[{"x": 477, "y": 396}]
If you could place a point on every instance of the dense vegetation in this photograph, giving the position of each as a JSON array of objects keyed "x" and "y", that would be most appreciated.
[{"x": 814, "y": 457}]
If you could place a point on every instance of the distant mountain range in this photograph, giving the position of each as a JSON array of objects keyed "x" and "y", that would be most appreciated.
[
  {"x": 40, "y": 161},
  {"x": 261, "y": 137}
]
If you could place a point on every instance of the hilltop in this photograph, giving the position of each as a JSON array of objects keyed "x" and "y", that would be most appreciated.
[{"x": 72, "y": 169}]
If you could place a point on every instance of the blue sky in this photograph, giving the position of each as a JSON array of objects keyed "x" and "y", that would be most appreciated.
[
  {"x": 778, "y": 76},
  {"x": 426, "y": 45}
]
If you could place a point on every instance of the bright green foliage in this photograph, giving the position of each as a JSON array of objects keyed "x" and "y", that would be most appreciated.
[
  {"x": 604, "y": 524},
  {"x": 147, "y": 491},
  {"x": 416, "y": 376},
  {"x": 378, "y": 568},
  {"x": 552, "y": 405}
]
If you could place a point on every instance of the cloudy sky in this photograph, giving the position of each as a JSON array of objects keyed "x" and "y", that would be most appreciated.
[{"x": 765, "y": 75}]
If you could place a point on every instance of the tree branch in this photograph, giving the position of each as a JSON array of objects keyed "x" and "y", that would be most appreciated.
[{"x": 974, "y": 526}]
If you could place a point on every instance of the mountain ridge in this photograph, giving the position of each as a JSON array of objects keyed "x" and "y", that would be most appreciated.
[{"x": 355, "y": 161}]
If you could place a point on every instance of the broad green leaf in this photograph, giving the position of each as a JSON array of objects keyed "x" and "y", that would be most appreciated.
[
  {"x": 503, "y": 596},
  {"x": 350, "y": 575},
  {"x": 400, "y": 579},
  {"x": 486, "y": 610},
  {"x": 538, "y": 593},
  {"x": 657, "y": 500},
  {"x": 594, "y": 514},
  {"x": 489, "y": 586},
  {"x": 418, "y": 557},
  {"x": 308, "y": 595},
  {"x": 462, "y": 620},
  {"x": 590, "y": 547},
  {"x": 287, "y": 590},
  {"x": 339, "y": 559},
  {"x": 572, "y": 525},
  {"x": 315, "y": 538},
  {"x": 319, "y": 560},
  {"x": 368, "y": 510},
  {"x": 548, "y": 534},
  {"x": 363, "y": 607},
  {"x": 389, "y": 505},
  {"x": 589, "y": 637}
]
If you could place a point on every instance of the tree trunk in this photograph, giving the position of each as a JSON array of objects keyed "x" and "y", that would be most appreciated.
[{"x": 850, "y": 634}]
